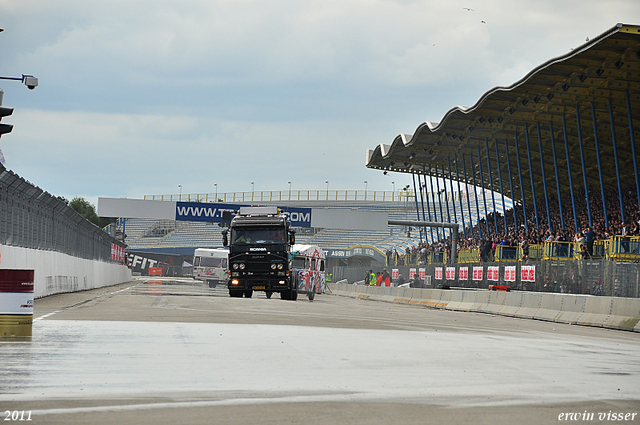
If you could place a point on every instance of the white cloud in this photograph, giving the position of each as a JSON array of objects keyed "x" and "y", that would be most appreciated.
[{"x": 137, "y": 97}]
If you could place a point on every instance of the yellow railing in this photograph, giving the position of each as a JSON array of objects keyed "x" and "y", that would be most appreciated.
[
  {"x": 290, "y": 195},
  {"x": 554, "y": 250},
  {"x": 506, "y": 253},
  {"x": 438, "y": 258},
  {"x": 469, "y": 255},
  {"x": 624, "y": 248}
]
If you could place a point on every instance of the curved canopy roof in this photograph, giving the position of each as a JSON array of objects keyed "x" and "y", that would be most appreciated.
[{"x": 568, "y": 96}]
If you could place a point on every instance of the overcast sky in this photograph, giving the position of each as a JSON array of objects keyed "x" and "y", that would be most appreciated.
[{"x": 138, "y": 97}]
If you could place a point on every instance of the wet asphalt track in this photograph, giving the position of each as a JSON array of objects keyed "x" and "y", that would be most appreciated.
[{"x": 175, "y": 351}]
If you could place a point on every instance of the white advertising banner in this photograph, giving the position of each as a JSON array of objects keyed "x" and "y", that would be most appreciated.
[{"x": 16, "y": 303}]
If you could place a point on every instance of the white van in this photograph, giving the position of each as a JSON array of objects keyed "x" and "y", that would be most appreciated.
[{"x": 211, "y": 266}]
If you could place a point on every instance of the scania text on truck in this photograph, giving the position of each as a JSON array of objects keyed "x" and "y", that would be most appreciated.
[{"x": 260, "y": 241}]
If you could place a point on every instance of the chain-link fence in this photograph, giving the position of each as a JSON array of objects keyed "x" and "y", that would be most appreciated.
[
  {"x": 32, "y": 218},
  {"x": 594, "y": 277}
]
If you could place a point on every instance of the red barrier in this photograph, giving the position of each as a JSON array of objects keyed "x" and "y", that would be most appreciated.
[{"x": 499, "y": 288}]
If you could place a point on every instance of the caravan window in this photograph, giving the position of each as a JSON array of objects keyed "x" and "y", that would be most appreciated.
[{"x": 299, "y": 263}]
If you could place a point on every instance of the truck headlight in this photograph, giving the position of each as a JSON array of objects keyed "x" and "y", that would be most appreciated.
[
  {"x": 273, "y": 266},
  {"x": 235, "y": 266},
  {"x": 280, "y": 266},
  {"x": 241, "y": 266}
]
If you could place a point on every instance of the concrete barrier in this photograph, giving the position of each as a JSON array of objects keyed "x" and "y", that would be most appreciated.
[
  {"x": 597, "y": 311},
  {"x": 625, "y": 314},
  {"x": 496, "y": 302},
  {"x": 572, "y": 308},
  {"x": 480, "y": 301},
  {"x": 530, "y": 305},
  {"x": 56, "y": 273},
  {"x": 608, "y": 312},
  {"x": 550, "y": 307}
]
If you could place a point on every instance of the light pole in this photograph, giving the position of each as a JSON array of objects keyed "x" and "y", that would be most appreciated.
[
  {"x": 180, "y": 198},
  {"x": 216, "y": 186},
  {"x": 365, "y": 190},
  {"x": 252, "y": 190},
  {"x": 327, "y": 182},
  {"x": 393, "y": 194},
  {"x": 289, "y": 190}
]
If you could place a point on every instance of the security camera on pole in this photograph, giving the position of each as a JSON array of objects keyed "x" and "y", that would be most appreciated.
[{"x": 31, "y": 82}]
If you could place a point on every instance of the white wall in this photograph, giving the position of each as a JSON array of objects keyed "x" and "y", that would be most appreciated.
[{"x": 56, "y": 272}]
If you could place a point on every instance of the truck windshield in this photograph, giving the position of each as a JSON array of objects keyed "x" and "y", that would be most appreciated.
[{"x": 257, "y": 236}]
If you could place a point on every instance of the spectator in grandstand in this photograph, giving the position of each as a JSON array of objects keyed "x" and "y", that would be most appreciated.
[
  {"x": 589, "y": 237},
  {"x": 584, "y": 254},
  {"x": 525, "y": 249}
]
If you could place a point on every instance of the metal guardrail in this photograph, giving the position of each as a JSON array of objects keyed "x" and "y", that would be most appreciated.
[
  {"x": 289, "y": 195},
  {"x": 33, "y": 218}
]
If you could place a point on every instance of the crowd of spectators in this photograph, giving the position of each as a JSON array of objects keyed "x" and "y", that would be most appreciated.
[{"x": 485, "y": 236}]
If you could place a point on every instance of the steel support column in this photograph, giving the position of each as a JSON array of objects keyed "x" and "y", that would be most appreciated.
[
  {"x": 464, "y": 226},
  {"x": 584, "y": 168},
  {"x": 615, "y": 157},
  {"x": 633, "y": 147},
  {"x": 544, "y": 178},
  {"x": 493, "y": 198},
  {"x": 453, "y": 227},
  {"x": 466, "y": 191},
  {"x": 422, "y": 189},
  {"x": 533, "y": 188},
  {"x": 415, "y": 193},
  {"x": 566, "y": 150},
  {"x": 595, "y": 138},
  {"x": 513, "y": 198},
  {"x": 504, "y": 207},
  {"x": 444, "y": 234},
  {"x": 433, "y": 194},
  {"x": 555, "y": 166},
  {"x": 446, "y": 197},
  {"x": 453, "y": 201},
  {"x": 426, "y": 189},
  {"x": 524, "y": 207},
  {"x": 475, "y": 195},
  {"x": 484, "y": 197}
]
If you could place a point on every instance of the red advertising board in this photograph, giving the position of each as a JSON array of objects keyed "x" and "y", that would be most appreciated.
[
  {"x": 463, "y": 273},
  {"x": 477, "y": 272}
]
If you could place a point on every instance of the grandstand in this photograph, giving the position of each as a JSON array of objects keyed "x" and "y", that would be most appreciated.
[{"x": 180, "y": 237}]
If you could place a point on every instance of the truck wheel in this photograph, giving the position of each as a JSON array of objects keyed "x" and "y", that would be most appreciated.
[
  {"x": 269, "y": 293},
  {"x": 294, "y": 294},
  {"x": 285, "y": 295},
  {"x": 235, "y": 293},
  {"x": 311, "y": 295},
  {"x": 212, "y": 283},
  {"x": 248, "y": 293}
]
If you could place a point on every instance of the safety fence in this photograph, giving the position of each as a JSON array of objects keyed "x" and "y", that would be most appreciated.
[
  {"x": 32, "y": 218},
  {"x": 593, "y": 277}
]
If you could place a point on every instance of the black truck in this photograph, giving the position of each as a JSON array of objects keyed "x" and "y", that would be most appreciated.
[{"x": 260, "y": 241}]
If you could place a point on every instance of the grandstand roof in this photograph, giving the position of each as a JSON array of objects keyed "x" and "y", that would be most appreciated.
[{"x": 602, "y": 73}]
